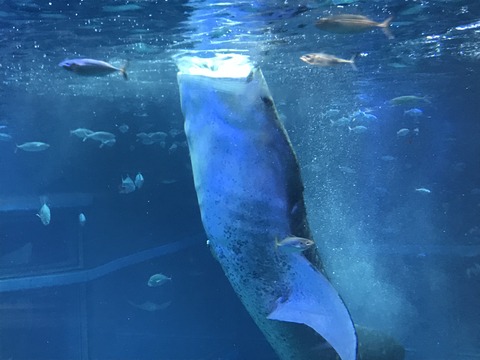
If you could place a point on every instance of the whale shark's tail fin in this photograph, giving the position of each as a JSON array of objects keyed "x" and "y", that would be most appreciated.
[{"x": 314, "y": 302}]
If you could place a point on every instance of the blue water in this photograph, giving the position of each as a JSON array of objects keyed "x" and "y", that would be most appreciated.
[{"x": 406, "y": 262}]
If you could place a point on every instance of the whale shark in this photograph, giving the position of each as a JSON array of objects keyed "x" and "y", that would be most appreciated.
[{"x": 250, "y": 194}]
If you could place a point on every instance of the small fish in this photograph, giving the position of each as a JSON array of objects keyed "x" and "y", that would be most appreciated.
[
  {"x": 110, "y": 142},
  {"x": 414, "y": 112},
  {"x": 322, "y": 59},
  {"x": 346, "y": 169},
  {"x": 360, "y": 129},
  {"x": 157, "y": 280},
  {"x": 403, "y": 132},
  {"x": 105, "y": 138},
  {"x": 44, "y": 214},
  {"x": 330, "y": 113},
  {"x": 152, "y": 138},
  {"x": 139, "y": 180},
  {"x": 33, "y": 146},
  {"x": 158, "y": 136},
  {"x": 5, "y": 137},
  {"x": 175, "y": 132},
  {"x": 473, "y": 270},
  {"x": 350, "y": 24},
  {"x": 91, "y": 67},
  {"x": 387, "y": 158},
  {"x": 361, "y": 116},
  {"x": 127, "y": 186},
  {"x": 172, "y": 148},
  {"x": 123, "y": 128},
  {"x": 145, "y": 139},
  {"x": 81, "y": 133},
  {"x": 121, "y": 8},
  {"x": 423, "y": 190},
  {"x": 409, "y": 100},
  {"x": 340, "y": 122},
  {"x": 369, "y": 117},
  {"x": 82, "y": 219},
  {"x": 150, "y": 306},
  {"x": 293, "y": 244}
]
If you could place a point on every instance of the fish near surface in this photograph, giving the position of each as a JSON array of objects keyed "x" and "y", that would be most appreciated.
[
  {"x": 250, "y": 193},
  {"x": 322, "y": 59},
  {"x": 409, "y": 100},
  {"x": 351, "y": 24},
  {"x": 91, "y": 67}
]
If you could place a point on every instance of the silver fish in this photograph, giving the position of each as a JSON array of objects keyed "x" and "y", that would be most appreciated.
[
  {"x": 414, "y": 112},
  {"x": 173, "y": 148},
  {"x": 387, "y": 158},
  {"x": 151, "y": 306},
  {"x": 346, "y": 169},
  {"x": 360, "y": 129},
  {"x": 44, "y": 214},
  {"x": 350, "y": 24},
  {"x": 331, "y": 113},
  {"x": 294, "y": 244},
  {"x": 91, "y": 67},
  {"x": 153, "y": 138},
  {"x": 105, "y": 138},
  {"x": 82, "y": 219},
  {"x": 33, "y": 146},
  {"x": 123, "y": 128},
  {"x": 5, "y": 137},
  {"x": 127, "y": 186},
  {"x": 158, "y": 136},
  {"x": 139, "y": 180},
  {"x": 110, "y": 142},
  {"x": 362, "y": 116},
  {"x": 81, "y": 133},
  {"x": 423, "y": 190},
  {"x": 145, "y": 139},
  {"x": 158, "y": 280},
  {"x": 322, "y": 59},
  {"x": 343, "y": 121},
  {"x": 409, "y": 100}
]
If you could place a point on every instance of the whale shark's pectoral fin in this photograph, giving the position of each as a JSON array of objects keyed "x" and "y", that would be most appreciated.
[{"x": 314, "y": 302}]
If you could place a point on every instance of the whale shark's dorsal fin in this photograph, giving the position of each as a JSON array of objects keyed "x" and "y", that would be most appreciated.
[{"x": 318, "y": 305}]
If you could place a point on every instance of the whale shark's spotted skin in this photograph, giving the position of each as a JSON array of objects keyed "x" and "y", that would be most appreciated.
[{"x": 250, "y": 193}]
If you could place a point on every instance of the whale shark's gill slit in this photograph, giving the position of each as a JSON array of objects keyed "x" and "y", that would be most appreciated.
[
  {"x": 86, "y": 275},
  {"x": 268, "y": 101}
]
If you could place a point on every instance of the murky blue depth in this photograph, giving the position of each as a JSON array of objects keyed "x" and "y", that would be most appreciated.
[{"x": 392, "y": 185}]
